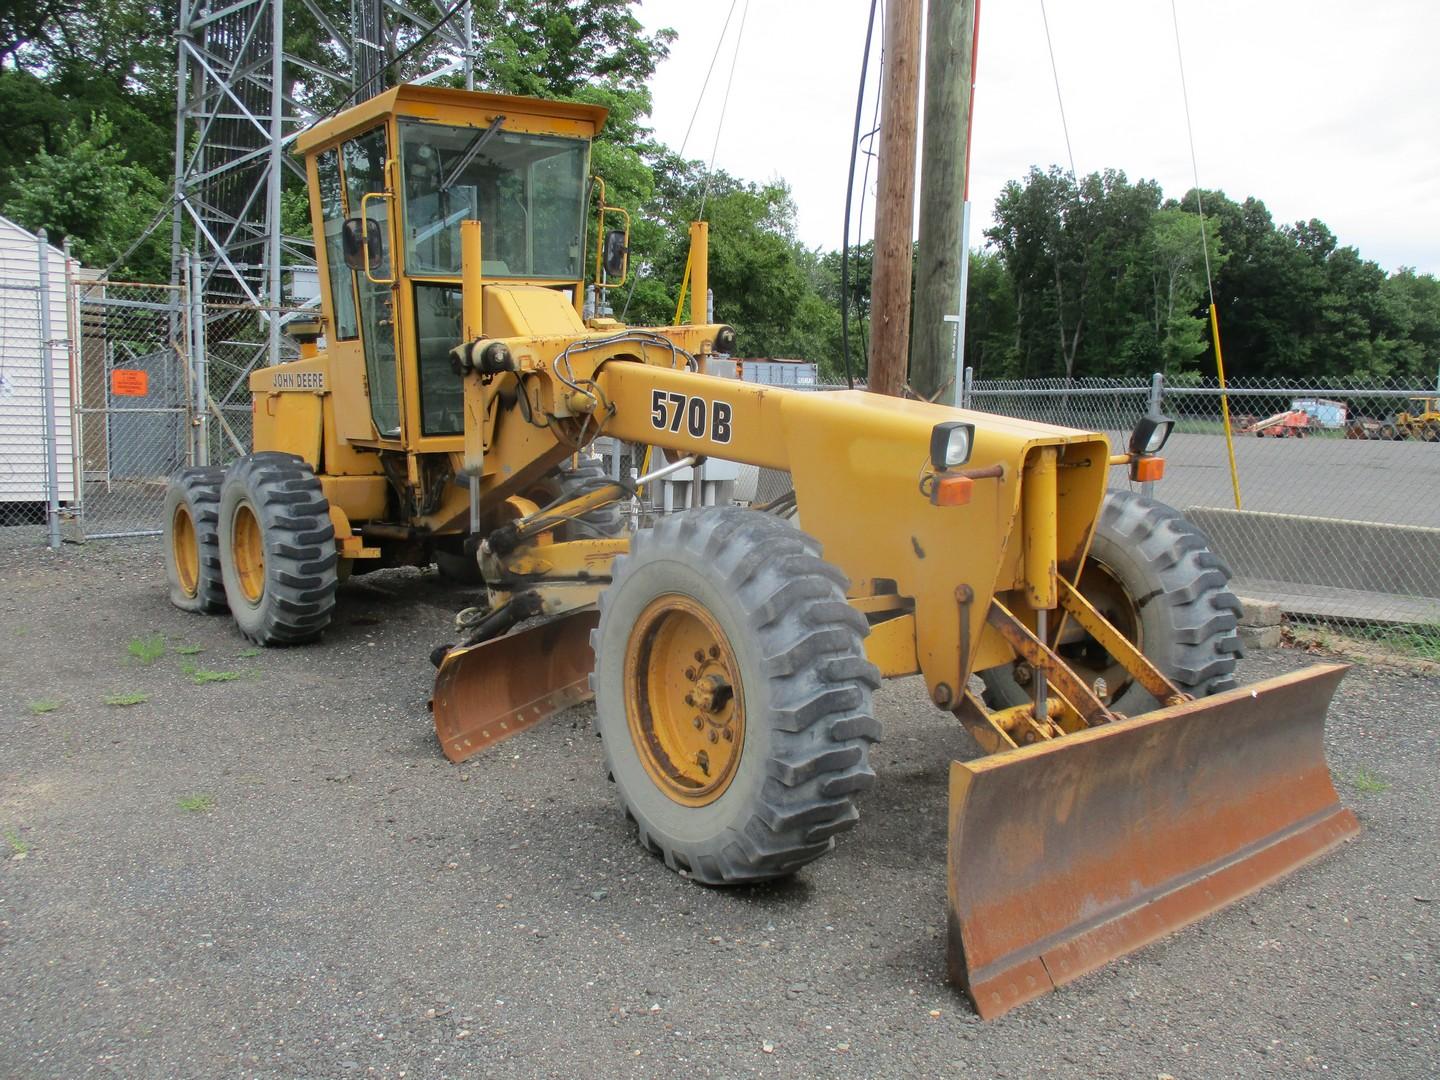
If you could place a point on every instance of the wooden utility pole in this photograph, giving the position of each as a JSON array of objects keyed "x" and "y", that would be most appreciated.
[
  {"x": 895, "y": 200},
  {"x": 949, "y": 50}
]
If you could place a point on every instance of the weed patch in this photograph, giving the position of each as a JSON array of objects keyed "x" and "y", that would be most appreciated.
[
  {"x": 1366, "y": 781},
  {"x": 147, "y": 649}
]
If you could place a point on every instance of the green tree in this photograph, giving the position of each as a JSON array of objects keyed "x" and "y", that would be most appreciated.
[
  {"x": 1075, "y": 253},
  {"x": 91, "y": 193},
  {"x": 992, "y": 319},
  {"x": 1179, "y": 300}
]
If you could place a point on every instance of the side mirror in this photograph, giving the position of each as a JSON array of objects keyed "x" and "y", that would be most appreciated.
[
  {"x": 615, "y": 253},
  {"x": 355, "y": 238}
]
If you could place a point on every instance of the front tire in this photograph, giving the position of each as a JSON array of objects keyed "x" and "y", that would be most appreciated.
[
  {"x": 1152, "y": 574},
  {"x": 192, "y": 540},
  {"x": 733, "y": 695},
  {"x": 277, "y": 549}
]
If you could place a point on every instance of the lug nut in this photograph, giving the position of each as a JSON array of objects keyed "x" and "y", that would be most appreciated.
[
  {"x": 714, "y": 652},
  {"x": 699, "y": 657},
  {"x": 699, "y": 722},
  {"x": 729, "y": 734},
  {"x": 689, "y": 699},
  {"x": 690, "y": 673},
  {"x": 714, "y": 735}
]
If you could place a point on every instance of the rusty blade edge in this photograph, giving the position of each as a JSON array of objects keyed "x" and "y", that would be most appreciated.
[
  {"x": 1157, "y": 916},
  {"x": 462, "y": 745},
  {"x": 1250, "y": 853}
]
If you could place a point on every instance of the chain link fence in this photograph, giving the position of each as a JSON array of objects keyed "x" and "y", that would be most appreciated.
[
  {"x": 130, "y": 349},
  {"x": 107, "y": 388},
  {"x": 1331, "y": 508}
]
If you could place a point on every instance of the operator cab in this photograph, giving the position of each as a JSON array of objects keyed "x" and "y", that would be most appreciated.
[{"x": 391, "y": 180}]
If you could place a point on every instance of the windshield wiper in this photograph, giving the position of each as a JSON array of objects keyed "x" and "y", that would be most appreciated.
[{"x": 468, "y": 155}]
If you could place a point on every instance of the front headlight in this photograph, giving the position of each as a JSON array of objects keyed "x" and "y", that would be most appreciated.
[
  {"x": 1150, "y": 434},
  {"x": 950, "y": 444}
]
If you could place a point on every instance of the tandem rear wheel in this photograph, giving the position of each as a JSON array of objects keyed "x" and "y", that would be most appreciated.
[{"x": 277, "y": 549}]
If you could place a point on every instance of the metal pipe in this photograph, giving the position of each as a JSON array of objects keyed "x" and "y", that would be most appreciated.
[
  {"x": 199, "y": 364},
  {"x": 77, "y": 399},
  {"x": 47, "y": 387},
  {"x": 276, "y": 169},
  {"x": 469, "y": 30},
  {"x": 1042, "y": 686},
  {"x": 666, "y": 470}
]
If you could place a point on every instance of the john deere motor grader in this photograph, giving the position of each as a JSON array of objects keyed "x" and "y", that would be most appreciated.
[{"x": 1129, "y": 786}]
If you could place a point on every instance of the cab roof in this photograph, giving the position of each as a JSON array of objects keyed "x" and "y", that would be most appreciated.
[{"x": 443, "y": 103}]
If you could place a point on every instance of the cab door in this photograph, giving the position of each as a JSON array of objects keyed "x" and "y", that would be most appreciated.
[{"x": 364, "y": 158}]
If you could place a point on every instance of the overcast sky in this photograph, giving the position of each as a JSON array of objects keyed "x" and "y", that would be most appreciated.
[{"x": 1320, "y": 108}]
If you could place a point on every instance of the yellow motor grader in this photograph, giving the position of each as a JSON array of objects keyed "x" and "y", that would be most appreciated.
[{"x": 1128, "y": 786}]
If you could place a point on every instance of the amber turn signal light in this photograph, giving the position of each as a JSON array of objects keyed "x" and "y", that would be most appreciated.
[
  {"x": 1146, "y": 470},
  {"x": 952, "y": 491}
]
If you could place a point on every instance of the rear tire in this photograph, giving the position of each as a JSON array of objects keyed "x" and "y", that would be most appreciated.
[
  {"x": 277, "y": 549},
  {"x": 789, "y": 654},
  {"x": 192, "y": 540},
  {"x": 1179, "y": 604}
]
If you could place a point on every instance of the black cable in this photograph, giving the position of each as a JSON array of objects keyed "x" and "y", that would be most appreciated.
[{"x": 849, "y": 195}]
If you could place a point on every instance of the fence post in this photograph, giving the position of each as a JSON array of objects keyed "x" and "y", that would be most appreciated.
[
  {"x": 75, "y": 341},
  {"x": 1157, "y": 395},
  {"x": 967, "y": 388},
  {"x": 198, "y": 363},
  {"x": 47, "y": 387}
]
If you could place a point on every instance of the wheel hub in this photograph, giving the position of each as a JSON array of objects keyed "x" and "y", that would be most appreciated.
[
  {"x": 248, "y": 545},
  {"x": 185, "y": 551},
  {"x": 683, "y": 700}
]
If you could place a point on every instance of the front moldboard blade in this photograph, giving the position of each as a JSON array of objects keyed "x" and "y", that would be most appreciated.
[
  {"x": 488, "y": 692},
  {"x": 1068, "y": 854}
]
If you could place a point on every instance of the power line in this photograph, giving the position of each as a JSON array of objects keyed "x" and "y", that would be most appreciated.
[
  {"x": 704, "y": 86},
  {"x": 724, "y": 104},
  {"x": 699, "y": 101},
  {"x": 1194, "y": 161},
  {"x": 849, "y": 195},
  {"x": 1055, "y": 73}
]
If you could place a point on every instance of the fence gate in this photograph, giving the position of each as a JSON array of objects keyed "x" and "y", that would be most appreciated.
[{"x": 131, "y": 359}]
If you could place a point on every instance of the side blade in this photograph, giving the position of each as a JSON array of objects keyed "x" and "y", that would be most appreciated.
[
  {"x": 1068, "y": 854},
  {"x": 488, "y": 692}
]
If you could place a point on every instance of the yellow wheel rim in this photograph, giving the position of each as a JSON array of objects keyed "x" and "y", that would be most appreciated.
[
  {"x": 247, "y": 544},
  {"x": 684, "y": 700},
  {"x": 1086, "y": 656},
  {"x": 185, "y": 551}
]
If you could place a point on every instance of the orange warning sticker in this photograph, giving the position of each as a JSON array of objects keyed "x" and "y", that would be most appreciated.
[{"x": 127, "y": 382}]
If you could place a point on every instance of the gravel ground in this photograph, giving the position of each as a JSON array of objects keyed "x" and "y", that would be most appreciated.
[{"x": 339, "y": 900}]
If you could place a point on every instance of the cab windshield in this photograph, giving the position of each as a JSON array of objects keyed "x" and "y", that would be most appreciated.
[{"x": 528, "y": 192}]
